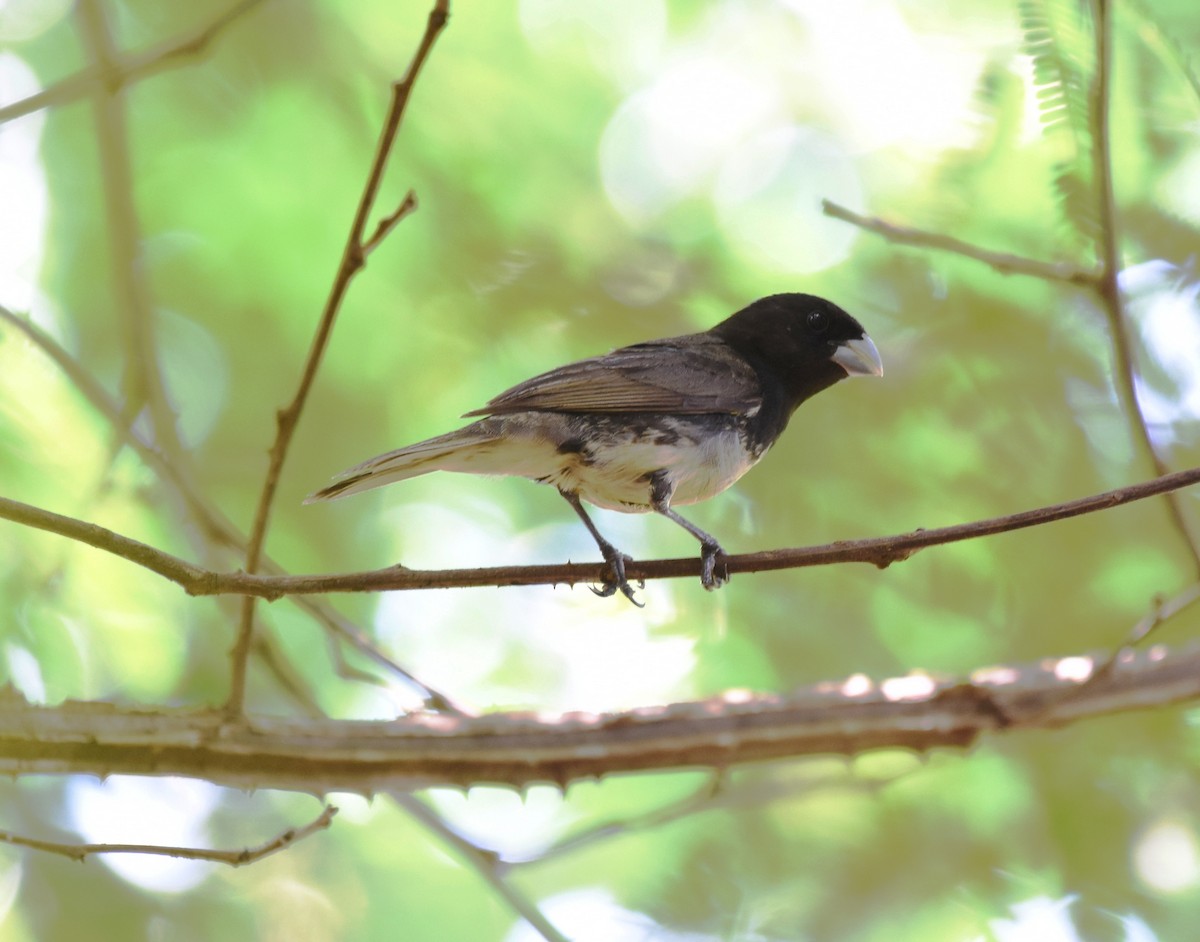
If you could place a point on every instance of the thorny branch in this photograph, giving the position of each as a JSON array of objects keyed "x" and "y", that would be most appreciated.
[
  {"x": 839, "y": 718},
  {"x": 353, "y": 261},
  {"x": 976, "y": 705},
  {"x": 232, "y": 858},
  {"x": 878, "y": 551}
]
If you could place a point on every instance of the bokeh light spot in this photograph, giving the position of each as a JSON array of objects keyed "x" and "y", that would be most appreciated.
[
  {"x": 1166, "y": 857},
  {"x": 769, "y": 193}
]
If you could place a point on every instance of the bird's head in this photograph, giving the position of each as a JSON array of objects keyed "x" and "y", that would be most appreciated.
[{"x": 801, "y": 342}]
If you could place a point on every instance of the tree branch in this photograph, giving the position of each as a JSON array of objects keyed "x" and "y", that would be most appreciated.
[
  {"x": 484, "y": 862},
  {"x": 125, "y": 69},
  {"x": 353, "y": 261},
  {"x": 1103, "y": 281},
  {"x": 1002, "y": 262},
  {"x": 1108, "y": 249},
  {"x": 319, "y": 756},
  {"x": 216, "y": 526},
  {"x": 716, "y": 793},
  {"x": 389, "y": 222},
  {"x": 879, "y": 551},
  {"x": 232, "y": 858}
]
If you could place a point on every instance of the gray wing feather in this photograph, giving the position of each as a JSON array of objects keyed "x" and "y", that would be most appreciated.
[{"x": 683, "y": 375}]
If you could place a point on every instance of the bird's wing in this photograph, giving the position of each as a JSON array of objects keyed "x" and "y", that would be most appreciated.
[{"x": 694, "y": 374}]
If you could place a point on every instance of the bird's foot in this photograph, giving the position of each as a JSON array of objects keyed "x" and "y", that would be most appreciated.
[
  {"x": 709, "y": 577},
  {"x": 616, "y": 566}
]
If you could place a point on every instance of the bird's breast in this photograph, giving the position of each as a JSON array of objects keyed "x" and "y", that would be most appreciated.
[{"x": 617, "y": 455}]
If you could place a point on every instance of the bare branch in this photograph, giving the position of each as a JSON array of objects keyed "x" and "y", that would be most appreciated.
[
  {"x": 879, "y": 551},
  {"x": 1002, "y": 262},
  {"x": 850, "y": 717},
  {"x": 126, "y": 69},
  {"x": 216, "y": 526},
  {"x": 353, "y": 261},
  {"x": 716, "y": 793},
  {"x": 1106, "y": 285},
  {"x": 232, "y": 858},
  {"x": 407, "y": 206},
  {"x": 485, "y": 863},
  {"x": 705, "y": 797},
  {"x": 166, "y": 565},
  {"x": 1102, "y": 672},
  {"x": 1163, "y": 611},
  {"x": 1103, "y": 281}
]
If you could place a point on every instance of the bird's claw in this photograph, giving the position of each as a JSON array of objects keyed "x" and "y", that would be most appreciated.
[
  {"x": 709, "y": 577},
  {"x": 616, "y": 564}
]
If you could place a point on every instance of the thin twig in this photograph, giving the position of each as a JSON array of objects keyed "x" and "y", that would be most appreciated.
[
  {"x": 1102, "y": 672},
  {"x": 353, "y": 260},
  {"x": 879, "y": 551},
  {"x": 705, "y": 797},
  {"x": 1107, "y": 285},
  {"x": 216, "y": 526},
  {"x": 128, "y": 68},
  {"x": 407, "y": 206},
  {"x": 486, "y": 863},
  {"x": 232, "y": 858},
  {"x": 1162, "y": 612},
  {"x": 714, "y": 794},
  {"x": 1002, "y": 262},
  {"x": 1103, "y": 281}
]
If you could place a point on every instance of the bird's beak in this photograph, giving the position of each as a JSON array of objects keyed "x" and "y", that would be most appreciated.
[{"x": 858, "y": 357}]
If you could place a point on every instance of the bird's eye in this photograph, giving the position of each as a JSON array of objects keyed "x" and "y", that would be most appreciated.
[{"x": 818, "y": 321}]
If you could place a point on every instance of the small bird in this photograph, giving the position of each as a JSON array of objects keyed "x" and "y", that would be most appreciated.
[{"x": 651, "y": 426}]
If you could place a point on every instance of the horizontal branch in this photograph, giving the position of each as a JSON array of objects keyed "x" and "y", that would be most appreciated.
[
  {"x": 319, "y": 756},
  {"x": 232, "y": 858},
  {"x": 879, "y": 551},
  {"x": 1003, "y": 262},
  {"x": 216, "y": 526}
]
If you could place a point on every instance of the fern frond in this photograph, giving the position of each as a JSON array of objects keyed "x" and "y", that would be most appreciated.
[
  {"x": 1058, "y": 39},
  {"x": 1077, "y": 197}
]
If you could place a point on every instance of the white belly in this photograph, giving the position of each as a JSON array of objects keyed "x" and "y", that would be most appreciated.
[{"x": 608, "y": 462}]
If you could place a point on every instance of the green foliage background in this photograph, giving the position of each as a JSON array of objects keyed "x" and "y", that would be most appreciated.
[{"x": 247, "y": 167}]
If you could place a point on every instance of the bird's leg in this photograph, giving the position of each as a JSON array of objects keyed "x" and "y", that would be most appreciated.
[
  {"x": 614, "y": 557},
  {"x": 661, "y": 490}
]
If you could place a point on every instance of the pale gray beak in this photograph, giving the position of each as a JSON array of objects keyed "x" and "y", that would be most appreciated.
[{"x": 858, "y": 357}]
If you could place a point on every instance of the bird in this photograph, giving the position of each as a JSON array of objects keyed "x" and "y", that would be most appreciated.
[{"x": 651, "y": 426}]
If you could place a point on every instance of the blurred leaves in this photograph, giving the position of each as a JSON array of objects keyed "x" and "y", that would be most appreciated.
[
  {"x": 997, "y": 397},
  {"x": 1058, "y": 38}
]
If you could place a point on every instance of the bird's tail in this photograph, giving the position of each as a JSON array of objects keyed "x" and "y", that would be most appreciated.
[{"x": 455, "y": 451}]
